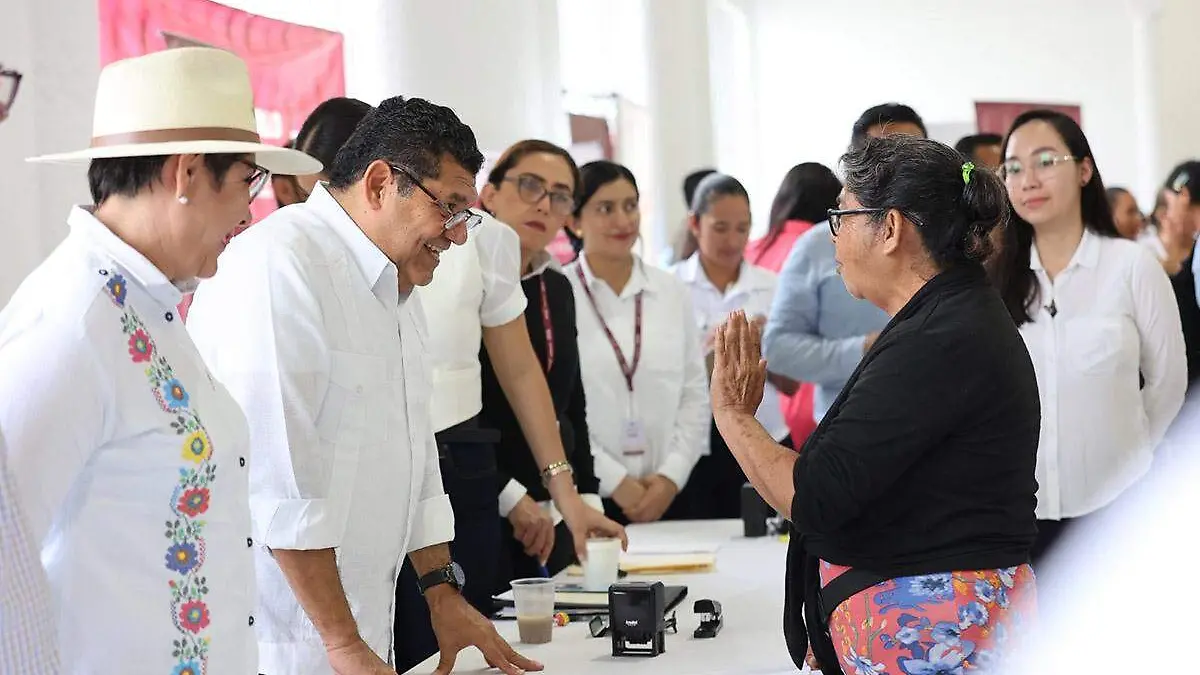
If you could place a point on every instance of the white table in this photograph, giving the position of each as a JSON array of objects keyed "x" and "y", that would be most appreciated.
[{"x": 748, "y": 582}]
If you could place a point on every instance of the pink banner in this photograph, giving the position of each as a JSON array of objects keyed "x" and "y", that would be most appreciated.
[
  {"x": 292, "y": 68},
  {"x": 996, "y": 118}
]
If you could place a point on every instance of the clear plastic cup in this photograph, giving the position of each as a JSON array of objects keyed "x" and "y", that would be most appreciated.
[
  {"x": 603, "y": 561},
  {"x": 534, "y": 599}
]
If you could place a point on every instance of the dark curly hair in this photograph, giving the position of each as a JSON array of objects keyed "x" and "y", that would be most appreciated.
[
  {"x": 412, "y": 133},
  {"x": 923, "y": 180}
]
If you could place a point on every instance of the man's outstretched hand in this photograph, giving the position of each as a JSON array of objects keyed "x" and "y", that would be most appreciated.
[{"x": 458, "y": 625}]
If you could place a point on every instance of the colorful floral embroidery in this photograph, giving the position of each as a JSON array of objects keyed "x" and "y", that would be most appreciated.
[
  {"x": 116, "y": 289},
  {"x": 139, "y": 347},
  {"x": 182, "y": 558},
  {"x": 193, "y": 502},
  {"x": 197, "y": 448},
  {"x": 194, "y": 616},
  {"x": 173, "y": 396},
  {"x": 184, "y": 531}
]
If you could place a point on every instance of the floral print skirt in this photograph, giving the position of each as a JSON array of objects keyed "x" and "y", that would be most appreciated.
[{"x": 953, "y": 623}]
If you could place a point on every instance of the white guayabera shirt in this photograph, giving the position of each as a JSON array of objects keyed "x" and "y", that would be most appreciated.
[
  {"x": 130, "y": 463},
  {"x": 305, "y": 325}
]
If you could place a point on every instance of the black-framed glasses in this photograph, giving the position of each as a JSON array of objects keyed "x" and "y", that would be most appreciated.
[
  {"x": 10, "y": 82},
  {"x": 453, "y": 219},
  {"x": 532, "y": 189},
  {"x": 835, "y": 217},
  {"x": 257, "y": 180}
]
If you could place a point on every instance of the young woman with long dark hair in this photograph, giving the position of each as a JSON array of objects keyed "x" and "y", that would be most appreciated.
[{"x": 1097, "y": 314}]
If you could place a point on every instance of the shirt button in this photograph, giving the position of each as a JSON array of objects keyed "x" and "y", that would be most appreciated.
[
  {"x": 103, "y": 273},
  {"x": 241, "y": 461},
  {"x": 251, "y": 620},
  {"x": 250, "y": 543},
  {"x": 169, "y": 316}
]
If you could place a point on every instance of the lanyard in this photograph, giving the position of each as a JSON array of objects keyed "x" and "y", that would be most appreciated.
[
  {"x": 627, "y": 369},
  {"x": 546, "y": 324}
]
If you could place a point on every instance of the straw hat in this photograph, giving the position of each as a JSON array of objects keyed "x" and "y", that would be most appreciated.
[{"x": 190, "y": 100}]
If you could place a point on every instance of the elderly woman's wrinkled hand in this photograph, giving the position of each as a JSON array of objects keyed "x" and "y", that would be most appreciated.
[{"x": 739, "y": 371}]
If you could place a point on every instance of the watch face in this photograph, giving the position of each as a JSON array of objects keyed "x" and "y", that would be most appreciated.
[{"x": 456, "y": 571}]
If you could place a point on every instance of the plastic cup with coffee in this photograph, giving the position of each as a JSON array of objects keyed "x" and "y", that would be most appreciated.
[{"x": 534, "y": 600}]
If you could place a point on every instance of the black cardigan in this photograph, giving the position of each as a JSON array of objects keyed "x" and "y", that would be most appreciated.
[
  {"x": 514, "y": 458},
  {"x": 925, "y": 461}
]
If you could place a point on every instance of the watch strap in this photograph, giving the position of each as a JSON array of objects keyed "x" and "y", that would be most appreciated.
[{"x": 442, "y": 575}]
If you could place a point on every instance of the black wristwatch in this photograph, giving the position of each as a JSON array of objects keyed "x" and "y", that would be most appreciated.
[{"x": 450, "y": 574}]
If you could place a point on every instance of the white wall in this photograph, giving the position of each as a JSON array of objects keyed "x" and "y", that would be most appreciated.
[
  {"x": 603, "y": 45},
  {"x": 820, "y": 64},
  {"x": 1178, "y": 66},
  {"x": 54, "y": 43}
]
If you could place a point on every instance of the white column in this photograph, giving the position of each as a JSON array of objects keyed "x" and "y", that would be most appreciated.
[
  {"x": 679, "y": 102},
  {"x": 495, "y": 63},
  {"x": 1144, "y": 24}
]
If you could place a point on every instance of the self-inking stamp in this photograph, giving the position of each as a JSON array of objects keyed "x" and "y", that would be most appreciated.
[{"x": 637, "y": 618}]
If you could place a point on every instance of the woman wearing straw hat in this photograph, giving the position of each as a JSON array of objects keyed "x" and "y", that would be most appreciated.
[{"x": 129, "y": 459}]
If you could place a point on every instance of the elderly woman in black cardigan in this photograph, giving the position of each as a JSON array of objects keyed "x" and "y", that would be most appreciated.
[{"x": 912, "y": 504}]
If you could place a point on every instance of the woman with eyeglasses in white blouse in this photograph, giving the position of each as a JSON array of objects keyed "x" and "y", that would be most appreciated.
[
  {"x": 643, "y": 373},
  {"x": 1099, "y": 318}
]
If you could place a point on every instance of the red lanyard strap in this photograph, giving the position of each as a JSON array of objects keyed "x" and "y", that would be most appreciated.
[
  {"x": 627, "y": 369},
  {"x": 546, "y": 324}
]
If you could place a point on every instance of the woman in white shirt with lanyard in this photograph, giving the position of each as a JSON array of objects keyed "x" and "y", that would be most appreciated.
[
  {"x": 643, "y": 373},
  {"x": 721, "y": 281},
  {"x": 1098, "y": 316}
]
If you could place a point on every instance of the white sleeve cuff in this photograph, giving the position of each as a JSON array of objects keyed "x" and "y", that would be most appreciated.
[
  {"x": 433, "y": 523},
  {"x": 510, "y": 496},
  {"x": 298, "y": 524},
  {"x": 609, "y": 471},
  {"x": 510, "y": 310},
  {"x": 677, "y": 468},
  {"x": 594, "y": 501}
]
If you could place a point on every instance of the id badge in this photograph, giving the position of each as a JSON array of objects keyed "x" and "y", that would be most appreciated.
[{"x": 633, "y": 439}]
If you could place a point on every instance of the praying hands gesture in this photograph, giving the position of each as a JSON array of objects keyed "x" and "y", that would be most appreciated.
[{"x": 739, "y": 371}]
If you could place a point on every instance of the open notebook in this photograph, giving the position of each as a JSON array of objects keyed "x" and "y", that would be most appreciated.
[{"x": 644, "y": 564}]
